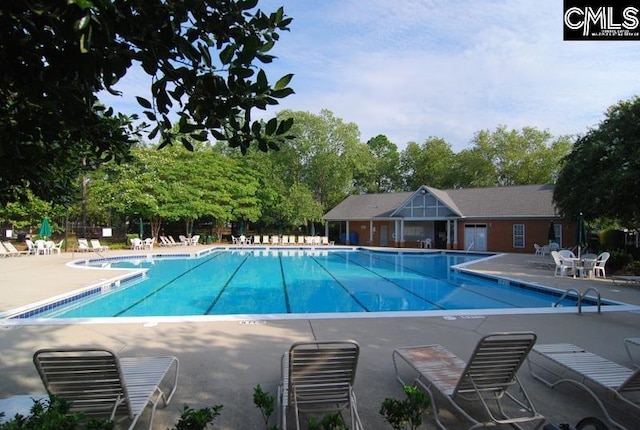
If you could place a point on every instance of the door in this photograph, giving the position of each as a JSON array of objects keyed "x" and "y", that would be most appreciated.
[
  {"x": 383, "y": 235},
  {"x": 475, "y": 237}
]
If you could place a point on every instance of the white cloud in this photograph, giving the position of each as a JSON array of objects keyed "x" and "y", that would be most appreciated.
[{"x": 412, "y": 69}]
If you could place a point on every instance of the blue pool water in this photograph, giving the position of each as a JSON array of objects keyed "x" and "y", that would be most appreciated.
[{"x": 231, "y": 282}]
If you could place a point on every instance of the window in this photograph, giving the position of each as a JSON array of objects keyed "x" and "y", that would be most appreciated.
[{"x": 518, "y": 235}]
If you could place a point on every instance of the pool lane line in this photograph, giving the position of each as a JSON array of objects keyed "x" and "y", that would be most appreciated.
[
  {"x": 447, "y": 281},
  {"x": 137, "y": 302},
  {"x": 285, "y": 289},
  {"x": 354, "y": 298},
  {"x": 224, "y": 287},
  {"x": 396, "y": 284}
]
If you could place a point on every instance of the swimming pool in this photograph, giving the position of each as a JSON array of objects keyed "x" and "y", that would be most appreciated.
[{"x": 295, "y": 282}]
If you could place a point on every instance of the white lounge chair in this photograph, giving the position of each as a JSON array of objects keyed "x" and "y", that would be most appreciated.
[
  {"x": 95, "y": 244},
  {"x": 626, "y": 280},
  {"x": 486, "y": 376},
  {"x": 567, "y": 363},
  {"x": 4, "y": 252},
  {"x": 256, "y": 239},
  {"x": 98, "y": 383},
  {"x": 195, "y": 239},
  {"x": 11, "y": 250},
  {"x": 83, "y": 245},
  {"x": 318, "y": 377},
  {"x": 265, "y": 240},
  {"x": 285, "y": 240},
  {"x": 631, "y": 344}
]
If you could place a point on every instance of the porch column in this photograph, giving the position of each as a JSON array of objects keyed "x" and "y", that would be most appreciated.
[
  {"x": 448, "y": 246},
  {"x": 455, "y": 234},
  {"x": 371, "y": 232},
  {"x": 346, "y": 238},
  {"x": 401, "y": 233}
]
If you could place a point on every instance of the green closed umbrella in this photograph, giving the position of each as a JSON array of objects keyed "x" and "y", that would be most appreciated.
[
  {"x": 552, "y": 233},
  {"x": 45, "y": 229},
  {"x": 581, "y": 234}
]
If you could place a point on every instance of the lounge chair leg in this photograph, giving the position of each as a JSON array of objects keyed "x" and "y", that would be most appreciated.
[{"x": 583, "y": 387}]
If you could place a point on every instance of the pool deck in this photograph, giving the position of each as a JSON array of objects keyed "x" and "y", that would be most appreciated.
[{"x": 222, "y": 361}]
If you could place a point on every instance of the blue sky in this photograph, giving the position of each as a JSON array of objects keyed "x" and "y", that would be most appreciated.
[{"x": 412, "y": 69}]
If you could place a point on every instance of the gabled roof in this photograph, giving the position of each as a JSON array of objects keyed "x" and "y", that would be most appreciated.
[
  {"x": 506, "y": 202},
  {"x": 494, "y": 202},
  {"x": 367, "y": 206}
]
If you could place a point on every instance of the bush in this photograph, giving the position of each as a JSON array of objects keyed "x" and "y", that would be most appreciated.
[
  {"x": 53, "y": 414},
  {"x": 406, "y": 414},
  {"x": 618, "y": 260}
]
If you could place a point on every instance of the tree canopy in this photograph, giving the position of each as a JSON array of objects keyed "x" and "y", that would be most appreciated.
[
  {"x": 57, "y": 56},
  {"x": 600, "y": 176}
]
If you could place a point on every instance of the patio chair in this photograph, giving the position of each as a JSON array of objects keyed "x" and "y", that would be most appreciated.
[
  {"x": 256, "y": 239},
  {"x": 483, "y": 379},
  {"x": 195, "y": 239},
  {"x": 589, "y": 372},
  {"x": 563, "y": 266},
  {"x": 265, "y": 240},
  {"x": 41, "y": 247},
  {"x": 30, "y": 246},
  {"x": 318, "y": 377},
  {"x": 540, "y": 251},
  {"x": 137, "y": 244},
  {"x": 600, "y": 262},
  {"x": 99, "y": 384},
  {"x": 57, "y": 247}
]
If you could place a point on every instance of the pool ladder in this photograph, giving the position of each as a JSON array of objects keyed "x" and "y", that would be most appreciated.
[{"x": 581, "y": 297}]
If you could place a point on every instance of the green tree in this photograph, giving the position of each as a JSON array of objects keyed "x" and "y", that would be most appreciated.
[
  {"x": 510, "y": 157},
  {"x": 427, "y": 164},
  {"x": 57, "y": 56},
  {"x": 601, "y": 174},
  {"x": 323, "y": 155},
  {"x": 378, "y": 169}
]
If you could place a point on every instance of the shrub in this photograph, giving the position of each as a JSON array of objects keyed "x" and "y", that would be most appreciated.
[
  {"x": 406, "y": 414},
  {"x": 53, "y": 414}
]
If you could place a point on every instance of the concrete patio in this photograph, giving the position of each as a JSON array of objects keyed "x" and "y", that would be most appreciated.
[{"x": 222, "y": 361}]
